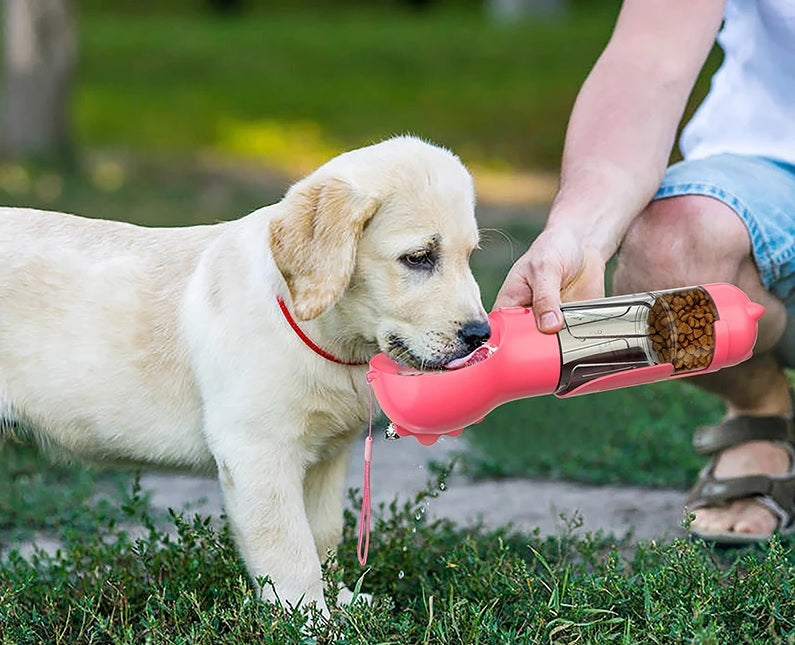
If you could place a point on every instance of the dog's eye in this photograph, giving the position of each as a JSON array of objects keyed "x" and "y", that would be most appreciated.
[{"x": 419, "y": 259}]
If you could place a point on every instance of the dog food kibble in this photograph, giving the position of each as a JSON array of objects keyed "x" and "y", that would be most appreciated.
[{"x": 681, "y": 329}]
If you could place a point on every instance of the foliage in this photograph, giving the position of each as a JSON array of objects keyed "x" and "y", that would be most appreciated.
[
  {"x": 639, "y": 435},
  {"x": 433, "y": 582},
  {"x": 271, "y": 83}
]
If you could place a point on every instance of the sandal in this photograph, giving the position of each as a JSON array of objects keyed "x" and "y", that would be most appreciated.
[{"x": 776, "y": 492}]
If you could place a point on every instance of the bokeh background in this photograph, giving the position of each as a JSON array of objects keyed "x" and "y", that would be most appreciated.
[{"x": 177, "y": 112}]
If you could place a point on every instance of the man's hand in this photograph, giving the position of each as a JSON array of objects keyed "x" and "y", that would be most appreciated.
[
  {"x": 617, "y": 145},
  {"x": 556, "y": 267}
]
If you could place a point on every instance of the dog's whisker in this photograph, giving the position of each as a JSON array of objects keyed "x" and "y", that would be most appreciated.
[{"x": 486, "y": 238}]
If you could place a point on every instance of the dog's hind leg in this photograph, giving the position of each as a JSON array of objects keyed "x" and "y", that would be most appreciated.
[{"x": 324, "y": 499}]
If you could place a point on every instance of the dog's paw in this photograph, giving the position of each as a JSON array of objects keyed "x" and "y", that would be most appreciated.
[{"x": 346, "y": 597}]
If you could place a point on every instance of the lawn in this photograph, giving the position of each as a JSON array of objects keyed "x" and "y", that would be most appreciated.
[
  {"x": 170, "y": 107},
  {"x": 433, "y": 583},
  {"x": 121, "y": 578},
  {"x": 289, "y": 87}
]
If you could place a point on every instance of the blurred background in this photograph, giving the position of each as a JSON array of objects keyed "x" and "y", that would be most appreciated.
[
  {"x": 176, "y": 112},
  {"x": 236, "y": 84}
]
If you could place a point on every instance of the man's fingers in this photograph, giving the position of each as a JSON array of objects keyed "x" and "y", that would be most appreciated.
[
  {"x": 513, "y": 293},
  {"x": 534, "y": 282},
  {"x": 546, "y": 305}
]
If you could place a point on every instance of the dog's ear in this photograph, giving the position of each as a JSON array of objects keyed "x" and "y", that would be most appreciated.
[{"x": 314, "y": 242}]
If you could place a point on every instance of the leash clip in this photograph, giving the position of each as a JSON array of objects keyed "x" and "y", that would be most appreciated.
[{"x": 390, "y": 433}]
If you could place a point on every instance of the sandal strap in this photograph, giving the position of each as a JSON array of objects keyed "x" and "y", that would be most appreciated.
[
  {"x": 711, "y": 439},
  {"x": 778, "y": 492}
]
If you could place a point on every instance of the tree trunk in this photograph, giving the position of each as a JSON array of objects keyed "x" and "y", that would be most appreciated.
[{"x": 40, "y": 48}]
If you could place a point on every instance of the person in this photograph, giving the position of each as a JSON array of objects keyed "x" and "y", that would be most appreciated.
[{"x": 726, "y": 213}]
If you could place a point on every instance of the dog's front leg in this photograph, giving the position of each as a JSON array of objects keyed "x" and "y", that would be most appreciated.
[
  {"x": 263, "y": 495},
  {"x": 324, "y": 488}
]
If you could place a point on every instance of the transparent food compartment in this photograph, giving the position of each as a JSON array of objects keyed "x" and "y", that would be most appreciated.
[{"x": 622, "y": 333}]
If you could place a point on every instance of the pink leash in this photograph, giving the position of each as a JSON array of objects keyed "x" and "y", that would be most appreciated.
[{"x": 363, "y": 545}]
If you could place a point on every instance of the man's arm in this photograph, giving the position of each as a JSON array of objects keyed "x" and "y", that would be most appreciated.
[{"x": 618, "y": 141}]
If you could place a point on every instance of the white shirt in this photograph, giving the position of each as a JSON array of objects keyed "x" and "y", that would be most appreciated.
[{"x": 750, "y": 108}]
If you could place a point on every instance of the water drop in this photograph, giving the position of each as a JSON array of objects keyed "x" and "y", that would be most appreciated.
[
  {"x": 401, "y": 575},
  {"x": 442, "y": 486}
]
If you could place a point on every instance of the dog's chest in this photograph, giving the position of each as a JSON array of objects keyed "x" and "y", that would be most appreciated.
[{"x": 333, "y": 419}]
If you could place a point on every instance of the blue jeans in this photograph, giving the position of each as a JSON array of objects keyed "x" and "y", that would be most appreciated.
[{"x": 761, "y": 192}]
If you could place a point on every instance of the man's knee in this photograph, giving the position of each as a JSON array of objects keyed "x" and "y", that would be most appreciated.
[{"x": 680, "y": 241}]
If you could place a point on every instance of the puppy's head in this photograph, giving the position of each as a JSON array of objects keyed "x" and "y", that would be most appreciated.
[{"x": 383, "y": 236}]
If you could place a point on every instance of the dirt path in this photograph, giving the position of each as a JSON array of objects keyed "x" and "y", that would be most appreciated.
[{"x": 400, "y": 468}]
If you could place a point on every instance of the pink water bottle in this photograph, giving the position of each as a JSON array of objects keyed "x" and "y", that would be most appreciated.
[{"x": 605, "y": 344}]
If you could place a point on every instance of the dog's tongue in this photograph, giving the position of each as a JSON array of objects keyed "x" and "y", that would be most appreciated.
[{"x": 480, "y": 354}]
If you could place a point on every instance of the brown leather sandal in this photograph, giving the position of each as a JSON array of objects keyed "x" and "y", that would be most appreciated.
[{"x": 776, "y": 492}]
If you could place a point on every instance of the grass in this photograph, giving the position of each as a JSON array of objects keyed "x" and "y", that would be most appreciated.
[
  {"x": 633, "y": 436},
  {"x": 289, "y": 87},
  {"x": 148, "y": 190},
  {"x": 123, "y": 576},
  {"x": 433, "y": 583},
  {"x": 36, "y": 495},
  {"x": 161, "y": 94}
]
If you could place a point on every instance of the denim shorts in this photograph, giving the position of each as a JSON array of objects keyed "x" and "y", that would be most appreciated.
[{"x": 762, "y": 193}]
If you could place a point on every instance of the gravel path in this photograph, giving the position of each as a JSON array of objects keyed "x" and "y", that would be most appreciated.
[{"x": 399, "y": 468}]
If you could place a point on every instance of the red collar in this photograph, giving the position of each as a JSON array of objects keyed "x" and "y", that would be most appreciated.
[{"x": 308, "y": 341}]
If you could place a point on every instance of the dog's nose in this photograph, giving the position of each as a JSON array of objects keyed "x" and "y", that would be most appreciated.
[{"x": 474, "y": 333}]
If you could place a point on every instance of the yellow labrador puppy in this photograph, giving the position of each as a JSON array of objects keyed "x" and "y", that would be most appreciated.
[{"x": 240, "y": 348}]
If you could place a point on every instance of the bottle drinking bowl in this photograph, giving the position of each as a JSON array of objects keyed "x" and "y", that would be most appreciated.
[{"x": 605, "y": 344}]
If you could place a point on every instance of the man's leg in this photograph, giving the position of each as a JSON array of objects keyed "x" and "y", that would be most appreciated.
[{"x": 693, "y": 239}]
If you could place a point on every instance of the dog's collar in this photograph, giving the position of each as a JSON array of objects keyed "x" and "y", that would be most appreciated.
[{"x": 308, "y": 341}]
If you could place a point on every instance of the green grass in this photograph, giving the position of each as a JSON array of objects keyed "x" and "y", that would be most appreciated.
[
  {"x": 433, "y": 583},
  {"x": 633, "y": 436},
  {"x": 269, "y": 83},
  {"x": 289, "y": 86},
  {"x": 36, "y": 495},
  {"x": 149, "y": 190},
  {"x": 158, "y": 91}
]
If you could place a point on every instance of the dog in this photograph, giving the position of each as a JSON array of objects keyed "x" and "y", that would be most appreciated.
[{"x": 241, "y": 348}]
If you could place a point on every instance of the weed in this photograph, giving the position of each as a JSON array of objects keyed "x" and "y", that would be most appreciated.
[{"x": 433, "y": 582}]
